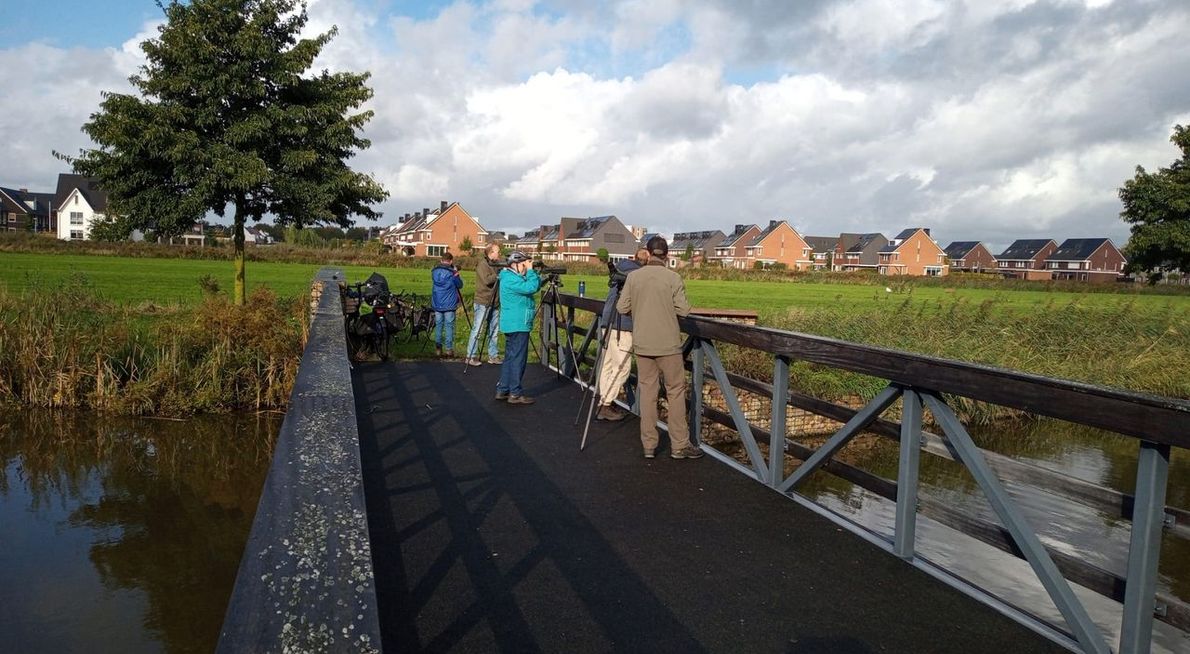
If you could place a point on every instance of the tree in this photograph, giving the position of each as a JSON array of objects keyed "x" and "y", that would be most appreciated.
[
  {"x": 1158, "y": 207},
  {"x": 689, "y": 253},
  {"x": 603, "y": 254},
  {"x": 357, "y": 234},
  {"x": 110, "y": 229},
  {"x": 227, "y": 117},
  {"x": 466, "y": 245}
]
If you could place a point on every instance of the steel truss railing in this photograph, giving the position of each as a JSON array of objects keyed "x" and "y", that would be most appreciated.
[{"x": 1158, "y": 423}]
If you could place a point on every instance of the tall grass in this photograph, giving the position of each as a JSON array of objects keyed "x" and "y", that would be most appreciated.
[{"x": 65, "y": 346}]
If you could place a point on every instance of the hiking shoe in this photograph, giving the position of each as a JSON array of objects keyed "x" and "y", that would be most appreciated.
[
  {"x": 449, "y": 354},
  {"x": 610, "y": 413},
  {"x": 438, "y": 350},
  {"x": 649, "y": 454},
  {"x": 472, "y": 361},
  {"x": 501, "y": 396},
  {"x": 520, "y": 399},
  {"x": 686, "y": 453},
  {"x": 495, "y": 361}
]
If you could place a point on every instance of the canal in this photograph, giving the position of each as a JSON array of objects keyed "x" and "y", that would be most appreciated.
[{"x": 124, "y": 534}]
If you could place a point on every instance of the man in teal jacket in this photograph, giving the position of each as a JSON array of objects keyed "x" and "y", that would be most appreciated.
[{"x": 518, "y": 283}]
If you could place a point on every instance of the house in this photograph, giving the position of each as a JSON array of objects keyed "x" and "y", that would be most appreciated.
[
  {"x": 859, "y": 251},
  {"x": 970, "y": 256},
  {"x": 1025, "y": 258},
  {"x": 700, "y": 246},
  {"x": 581, "y": 239},
  {"x": 430, "y": 233},
  {"x": 913, "y": 253},
  {"x": 22, "y": 210},
  {"x": 638, "y": 232},
  {"x": 822, "y": 251},
  {"x": 732, "y": 252},
  {"x": 1086, "y": 260},
  {"x": 78, "y": 204},
  {"x": 779, "y": 244},
  {"x": 255, "y": 235}
]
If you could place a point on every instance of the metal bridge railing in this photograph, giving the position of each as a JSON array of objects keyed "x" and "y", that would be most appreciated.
[{"x": 923, "y": 383}]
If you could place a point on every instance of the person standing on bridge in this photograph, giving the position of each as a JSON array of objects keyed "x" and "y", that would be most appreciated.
[
  {"x": 518, "y": 283},
  {"x": 444, "y": 300},
  {"x": 616, "y": 362},
  {"x": 655, "y": 297},
  {"x": 485, "y": 302}
]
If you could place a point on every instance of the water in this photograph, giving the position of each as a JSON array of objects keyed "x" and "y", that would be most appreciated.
[
  {"x": 123, "y": 535},
  {"x": 1092, "y": 455}
]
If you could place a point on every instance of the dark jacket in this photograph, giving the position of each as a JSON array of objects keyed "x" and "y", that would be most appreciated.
[
  {"x": 485, "y": 281},
  {"x": 445, "y": 294},
  {"x": 610, "y": 315},
  {"x": 655, "y": 296}
]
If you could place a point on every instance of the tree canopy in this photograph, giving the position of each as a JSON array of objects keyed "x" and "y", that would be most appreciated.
[
  {"x": 228, "y": 116},
  {"x": 1158, "y": 207}
]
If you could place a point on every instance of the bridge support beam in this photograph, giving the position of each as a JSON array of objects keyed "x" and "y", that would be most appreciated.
[
  {"x": 910, "y": 459},
  {"x": 1144, "y": 550}
]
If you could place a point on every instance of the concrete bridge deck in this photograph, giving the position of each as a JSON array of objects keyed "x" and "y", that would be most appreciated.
[{"x": 490, "y": 531}]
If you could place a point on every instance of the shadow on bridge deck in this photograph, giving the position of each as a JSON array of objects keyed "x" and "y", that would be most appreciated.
[{"x": 491, "y": 531}]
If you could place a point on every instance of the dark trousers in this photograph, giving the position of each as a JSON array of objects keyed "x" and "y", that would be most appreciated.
[{"x": 516, "y": 355}]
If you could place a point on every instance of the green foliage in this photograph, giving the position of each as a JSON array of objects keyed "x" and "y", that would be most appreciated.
[
  {"x": 110, "y": 229},
  {"x": 551, "y": 248},
  {"x": 689, "y": 253},
  {"x": 603, "y": 254},
  {"x": 357, "y": 234},
  {"x": 1158, "y": 207},
  {"x": 466, "y": 245},
  {"x": 227, "y": 116}
]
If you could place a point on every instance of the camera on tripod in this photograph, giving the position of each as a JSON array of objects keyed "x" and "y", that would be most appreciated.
[
  {"x": 547, "y": 271},
  {"x": 615, "y": 276}
]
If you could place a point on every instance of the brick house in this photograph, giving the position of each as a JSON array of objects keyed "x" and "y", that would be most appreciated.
[
  {"x": 780, "y": 244},
  {"x": 913, "y": 253},
  {"x": 858, "y": 251},
  {"x": 701, "y": 246},
  {"x": 430, "y": 233},
  {"x": 732, "y": 252},
  {"x": 1087, "y": 260},
  {"x": 970, "y": 256},
  {"x": 22, "y": 210},
  {"x": 822, "y": 251},
  {"x": 1025, "y": 258},
  {"x": 580, "y": 239}
]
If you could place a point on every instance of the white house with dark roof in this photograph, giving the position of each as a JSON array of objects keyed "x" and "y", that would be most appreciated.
[{"x": 79, "y": 203}]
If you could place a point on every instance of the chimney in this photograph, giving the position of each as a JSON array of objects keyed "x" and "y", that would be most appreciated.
[
  {"x": 926, "y": 230},
  {"x": 773, "y": 223},
  {"x": 443, "y": 209},
  {"x": 740, "y": 228},
  {"x": 24, "y": 190},
  {"x": 425, "y": 211}
]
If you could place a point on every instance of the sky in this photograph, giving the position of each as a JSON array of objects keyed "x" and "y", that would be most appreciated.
[{"x": 981, "y": 119}]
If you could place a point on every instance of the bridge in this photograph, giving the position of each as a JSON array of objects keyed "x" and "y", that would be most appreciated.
[{"x": 407, "y": 510}]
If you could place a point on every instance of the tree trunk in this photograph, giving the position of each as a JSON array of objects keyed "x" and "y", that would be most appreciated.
[{"x": 238, "y": 240}]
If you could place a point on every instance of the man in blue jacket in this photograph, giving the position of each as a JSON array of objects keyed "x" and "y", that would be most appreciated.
[
  {"x": 444, "y": 300},
  {"x": 518, "y": 283}
]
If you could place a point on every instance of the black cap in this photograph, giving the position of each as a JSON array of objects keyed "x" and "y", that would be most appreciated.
[{"x": 657, "y": 246}]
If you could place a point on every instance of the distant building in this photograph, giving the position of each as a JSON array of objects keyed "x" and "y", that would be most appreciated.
[
  {"x": 701, "y": 246},
  {"x": 1025, "y": 258},
  {"x": 913, "y": 253},
  {"x": 779, "y": 244},
  {"x": 1087, "y": 260},
  {"x": 431, "y": 233},
  {"x": 581, "y": 239},
  {"x": 822, "y": 251},
  {"x": 78, "y": 204},
  {"x": 859, "y": 251},
  {"x": 638, "y": 231},
  {"x": 732, "y": 252},
  {"x": 22, "y": 210},
  {"x": 970, "y": 256}
]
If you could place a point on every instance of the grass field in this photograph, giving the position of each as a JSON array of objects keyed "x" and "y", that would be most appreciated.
[{"x": 175, "y": 281}]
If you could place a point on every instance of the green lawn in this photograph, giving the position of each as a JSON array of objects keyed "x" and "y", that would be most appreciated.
[{"x": 173, "y": 281}]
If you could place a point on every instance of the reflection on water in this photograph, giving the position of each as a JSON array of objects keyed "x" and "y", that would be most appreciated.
[
  {"x": 1100, "y": 457},
  {"x": 123, "y": 535}
]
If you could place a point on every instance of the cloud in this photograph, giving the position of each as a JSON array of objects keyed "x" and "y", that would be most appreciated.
[{"x": 982, "y": 120}]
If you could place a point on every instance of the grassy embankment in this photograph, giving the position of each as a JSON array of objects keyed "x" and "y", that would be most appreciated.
[{"x": 1133, "y": 339}]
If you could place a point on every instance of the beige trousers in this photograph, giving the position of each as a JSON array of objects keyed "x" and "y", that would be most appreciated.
[
  {"x": 615, "y": 366},
  {"x": 650, "y": 370}
]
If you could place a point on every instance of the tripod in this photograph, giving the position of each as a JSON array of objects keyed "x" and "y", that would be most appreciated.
[
  {"x": 550, "y": 296},
  {"x": 596, "y": 373}
]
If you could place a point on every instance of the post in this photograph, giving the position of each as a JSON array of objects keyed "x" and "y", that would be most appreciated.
[
  {"x": 906, "y": 526},
  {"x": 697, "y": 363},
  {"x": 777, "y": 420},
  {"x": 1144, "y": 550}
]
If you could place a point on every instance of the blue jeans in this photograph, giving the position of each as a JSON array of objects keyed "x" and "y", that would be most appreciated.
[
  {"x": 481, "y": 310},
  {"x": 516, "y": 355},
  {"x": 444, "y": 319}
]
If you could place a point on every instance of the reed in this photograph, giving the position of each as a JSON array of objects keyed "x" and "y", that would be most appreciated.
[{"x": 66, "y": 346}]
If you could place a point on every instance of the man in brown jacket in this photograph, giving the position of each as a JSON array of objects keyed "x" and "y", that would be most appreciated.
[
  {"x": 485, "y": 303},
  {"x": 655, "y": 296}
]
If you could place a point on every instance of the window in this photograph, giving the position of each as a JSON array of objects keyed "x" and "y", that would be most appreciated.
[
  {"x": 76, "y": 217},
  {"x": 435, "y": 250},
  {"x": 76, "y": 234},
  {"x": 932, "y": 271}
]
